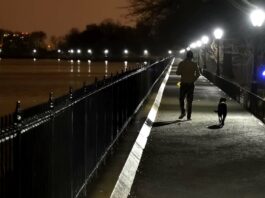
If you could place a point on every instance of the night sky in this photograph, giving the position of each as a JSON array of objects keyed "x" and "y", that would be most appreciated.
[{"x": 57, "y": 17}]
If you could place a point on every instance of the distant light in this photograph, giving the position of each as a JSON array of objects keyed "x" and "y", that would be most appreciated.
[
  {"x": 125, "y": 63},
  {"x": 182, "y": 51},
  {"x": 193, "y": 45},
  {"x": 72, "y": 61},
  {"x": 145, "y": 62},
  {"x": 169, "y": 52},
  {"x": 106, "y": 62},
  {"x": 71, "y": 51},
  {"x": 218, "y": 33},
  {"x": 59, "y": 51},
  {"x": 199, "y": 43},
  {"x": 89, "y": 61},
  {"x": 188, "y": 48},
  {"x": 58, "y": 60},
  {"x": 125, "y": 51},
  {"x": 205, "y": 39},
  {"x": 263, "y": 73},
  {"x": 146, "y": 52},
  {"x": 34, "y": 59},
  {"x": 34, "y": 51},
  {"x": 106, "y": 51},
  {"x": 49, "y": 46},
  {"x": 257, "y": 17},
  {"x": 79, "y": 51},
  {"x": 78, "y": 61},
  {"x": 89, "y": 51}
]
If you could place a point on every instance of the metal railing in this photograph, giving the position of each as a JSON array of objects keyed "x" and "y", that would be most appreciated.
[
  {"x": 250, "y": 101},
  {"x": 53, "y": 150}
]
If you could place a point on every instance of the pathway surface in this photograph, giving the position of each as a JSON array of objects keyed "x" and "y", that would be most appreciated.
[{"x": 190, "y": 159}]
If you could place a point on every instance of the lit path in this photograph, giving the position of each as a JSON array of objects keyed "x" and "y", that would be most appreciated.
[{"x": 187, "y": 159}]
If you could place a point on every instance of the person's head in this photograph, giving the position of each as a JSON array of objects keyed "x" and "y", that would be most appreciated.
[
  {"x": 222, "y": 100},
  {"x": 189, "y": 55}
]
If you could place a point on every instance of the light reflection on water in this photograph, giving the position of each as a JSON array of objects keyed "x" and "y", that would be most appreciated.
[{"x": 31, "y": 81}]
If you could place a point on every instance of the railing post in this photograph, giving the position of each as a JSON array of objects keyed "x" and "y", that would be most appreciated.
[
  {"x": 18, "y": 168},
  {"x": 51, "y": 102},
  {"x": 70, "y": 93}
]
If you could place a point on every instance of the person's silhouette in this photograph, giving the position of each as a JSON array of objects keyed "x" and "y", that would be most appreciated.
[{"x": 189, "y": 72}]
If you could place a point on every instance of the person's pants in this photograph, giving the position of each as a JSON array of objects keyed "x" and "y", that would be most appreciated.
[{"x": 186, "y": 91}]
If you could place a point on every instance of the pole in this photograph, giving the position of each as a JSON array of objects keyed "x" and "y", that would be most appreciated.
[
  {"x": 254, "y": 87},
  {"x": 218, "y": 58}
]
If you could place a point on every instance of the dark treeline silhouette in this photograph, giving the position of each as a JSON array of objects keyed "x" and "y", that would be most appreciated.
[{"x": 108, "y": 35}]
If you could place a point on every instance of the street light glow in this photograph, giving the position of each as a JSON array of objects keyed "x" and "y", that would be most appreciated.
[
  {"x": 193, "y": 45},
  {"x": 145, "y": 52},
  {"x": 59, "y": 51},
  {"x": 182, "y": 51},
  {"x": 205, "y": 39},
  {"x": 218, "y": 33},
  {"x": 106, "y": 51},
  {"x": 188, "y": 48},
  {"x": 169, "y": 51},
  {"x": 89, "y": 51},
  {"x": 257, "y": 17},
  {"x": 79, "y": 51},
  {"x": 198, "y": 43},
  {"x": 125, "y": 51},
  {"x": 34, "y": 51}
]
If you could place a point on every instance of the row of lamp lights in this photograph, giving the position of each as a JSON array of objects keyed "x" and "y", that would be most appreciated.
[
  {"x": 218, "y": 34},
  {"x": 257, "y": 18}
]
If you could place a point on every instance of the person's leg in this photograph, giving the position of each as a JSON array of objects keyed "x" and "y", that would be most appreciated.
[
  {"x": 189, "y": 100},
  {"x": 181, "y": 100}
]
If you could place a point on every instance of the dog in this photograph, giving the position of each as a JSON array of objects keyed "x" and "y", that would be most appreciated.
[{"x": 221, "y": 111}]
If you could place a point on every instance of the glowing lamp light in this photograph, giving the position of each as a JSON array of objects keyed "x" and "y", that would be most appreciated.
[
  {"x": 198, "y": 43},
  {"x": 263, "y": 73},
  {"x": 59, "y": 51},
  {"x": 218, "y": 33},
  {"x": 126, "y": 51},
  {"x": 205, "y": 39},
  {"x": 0, "y": 50},
  {"x": 89, "y": 51},
  {"x": 146, "y": 52},
  {"x": 34, "y": 51},
  {"x": 182, "y": 51},
  {"x": 169, "y": 52},
  {"x": 188, "y": 49},
  {"x": 257, "y": 17},
  {"x": 193, "y": 45},
  {"x": 79, "y": 51},
  {"x": 106, "y": 51}
]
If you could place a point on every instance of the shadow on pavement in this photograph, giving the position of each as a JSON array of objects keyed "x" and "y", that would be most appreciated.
[
  {"x": 216, "y": 126},
  {"x": 157, "y": 124}
]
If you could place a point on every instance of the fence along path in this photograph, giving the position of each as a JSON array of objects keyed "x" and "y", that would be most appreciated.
[{"x": 53, "y": 150}]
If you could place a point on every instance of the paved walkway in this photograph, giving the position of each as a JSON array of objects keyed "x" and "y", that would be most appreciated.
[{"x": 192, "y": 159}]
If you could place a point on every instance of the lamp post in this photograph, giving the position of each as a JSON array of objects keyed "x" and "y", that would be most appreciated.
[
  {"x": 257, "y": 18},
  {"x": 205, "y": 40},
  {"x": 218, "y": 34}
]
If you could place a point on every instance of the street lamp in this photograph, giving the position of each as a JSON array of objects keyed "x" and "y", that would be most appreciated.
[
  {"x": 106, "y": 52},
  {"x": 257, "y": 18},
  {"x": 145, "y": 52},
  {"x": 218, "y": 34},
  {"x": 205, "y": 40},
  {"x": 89, "y": 51},
  {"x": 126, "y": 52},
  {"x": 169, "y": 52}
]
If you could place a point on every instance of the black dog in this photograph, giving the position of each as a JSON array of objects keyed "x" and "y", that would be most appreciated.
[{"x": 222, "y": 111}]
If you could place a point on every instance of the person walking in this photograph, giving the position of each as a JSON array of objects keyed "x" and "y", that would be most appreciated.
[{"x": 189, "y": 72}]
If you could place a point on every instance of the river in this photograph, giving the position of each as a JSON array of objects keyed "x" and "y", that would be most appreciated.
[{"x": 31, "y": 81}]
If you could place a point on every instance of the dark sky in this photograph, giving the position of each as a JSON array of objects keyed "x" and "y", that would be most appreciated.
[{"x": 57, "y": 17}]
